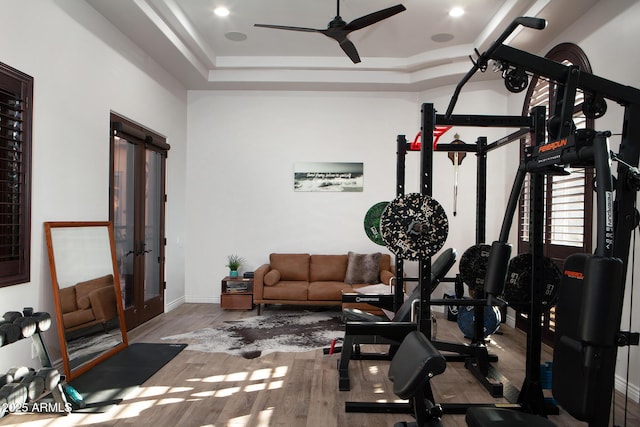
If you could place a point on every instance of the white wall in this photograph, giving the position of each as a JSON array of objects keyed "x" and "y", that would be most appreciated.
[
  {"x": 242, "y": 151},
  {"x": 78, "y": 78}
]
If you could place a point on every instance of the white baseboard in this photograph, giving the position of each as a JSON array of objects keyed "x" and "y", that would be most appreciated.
[
  {"x": 171, "y": 305},
  {"x": 199, "y": 299},
  {"x": 621, "y": 386},
  {"x": 511, "y": 321}
]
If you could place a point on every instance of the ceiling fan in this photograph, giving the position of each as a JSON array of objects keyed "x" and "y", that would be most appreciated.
[{"x": 339, "y": 30}]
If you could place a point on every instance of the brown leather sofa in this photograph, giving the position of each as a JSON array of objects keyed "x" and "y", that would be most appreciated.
[
  {"x": 304, "y": 279},
  {"x": 88, "y": 303}
]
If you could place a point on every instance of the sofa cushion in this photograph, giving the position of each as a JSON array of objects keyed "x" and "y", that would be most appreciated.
[
  {"x": 68, "y": 299},
  {"x": 291, "y": 266},
  {"x": 385, "y": 262},
  {"x": 77, "y": 317},
  {"x": 327, "y": 291},
  {"x": 363, "y": 268},
  {"x": 327, "y": 268},
  {"x": 83, "y": 289},
  {"x": 287, "y": 290},
  {"x": 271, "y": 278}
]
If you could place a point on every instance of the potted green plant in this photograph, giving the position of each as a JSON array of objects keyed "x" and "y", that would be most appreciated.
[{"x": 234, "y": 262}]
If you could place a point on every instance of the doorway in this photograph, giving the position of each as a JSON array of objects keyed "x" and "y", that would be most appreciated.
[{"x": 137, "y": 195}]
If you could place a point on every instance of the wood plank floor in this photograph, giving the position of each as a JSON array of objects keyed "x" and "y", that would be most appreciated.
[{"x": 283, "y": 389}]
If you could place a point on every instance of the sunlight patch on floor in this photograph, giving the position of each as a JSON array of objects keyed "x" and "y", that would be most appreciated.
[
  {"x": 261, "y": 374},
  {"x": 254, "y": 387},
  {"x": 280, "y": 372},
  {"x": 151, "y": 391},
  {"x": 237, "y": 376},
  {"x": 275, "y": 384},
  {"x": 133, "y": 409},
  {"x": 209, "y": 393},
  {"x": 226, "y": 392},
  {"x": 170, "y": 400},
  {"x": 262, "y": 419}
]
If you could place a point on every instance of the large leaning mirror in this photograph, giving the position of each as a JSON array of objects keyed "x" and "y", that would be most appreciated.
[{"x": 86, "y": 290}]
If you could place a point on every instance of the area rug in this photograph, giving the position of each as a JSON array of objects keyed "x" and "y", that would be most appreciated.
[{"x": 294, "y": 330}]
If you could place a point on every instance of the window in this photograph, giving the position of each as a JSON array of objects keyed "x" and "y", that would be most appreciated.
[
  {"x": 16, "y": 92},
  {"x": 568, "y": 198}
]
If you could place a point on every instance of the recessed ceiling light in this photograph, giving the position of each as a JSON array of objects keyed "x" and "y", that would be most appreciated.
[
  {"x": 442, "y": 37},
  {"x": 456, "y": 11},
  {"x": 221, "y": 11},
  {"x": 236, "y": 36}
]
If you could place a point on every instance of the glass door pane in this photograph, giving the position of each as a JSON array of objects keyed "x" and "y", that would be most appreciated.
[
  {"x": 154, "y": 195},
  {"x": 124, "y": 214}
]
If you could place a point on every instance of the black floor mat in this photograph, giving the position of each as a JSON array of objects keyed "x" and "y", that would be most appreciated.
[{"x": 109, "y": 382}]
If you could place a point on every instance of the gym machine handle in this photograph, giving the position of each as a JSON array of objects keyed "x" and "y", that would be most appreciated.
[
  {"x": 482, "y": 61},
  {"x": 604, "y": 195}
]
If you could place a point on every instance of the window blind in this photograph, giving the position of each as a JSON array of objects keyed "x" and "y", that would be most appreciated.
[{"x": 16, "y": 91}]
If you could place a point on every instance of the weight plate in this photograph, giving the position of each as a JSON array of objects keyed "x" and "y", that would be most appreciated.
[
  {"x": 517, "y": 291},
  {"x": 473, "y": 266},
  {"x": 414, "y": 226},
  {"x": 372, "y": 222}
]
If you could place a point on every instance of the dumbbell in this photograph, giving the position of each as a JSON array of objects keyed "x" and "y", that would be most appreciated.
[
  {"x": 42, "y": 319},
  {"x": 9, "y": 333},
  {"x": 34, "y": 385},
  {"x": 3, "y": 406},
  {"x": 14, "y": 375},
  {"x": 50, "y": 377},
  {"x": 15, "y": 396},
  {"x": 27, "y": 325},
  {"x": 27, "y": 377}
]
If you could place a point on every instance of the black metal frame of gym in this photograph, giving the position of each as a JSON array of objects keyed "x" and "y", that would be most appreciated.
[
  {"x": 601, "y": 341},
  {"x": 475, "y": 355},
  {"x": 598, "y": 336}
]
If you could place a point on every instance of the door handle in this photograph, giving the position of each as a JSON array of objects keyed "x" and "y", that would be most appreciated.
[{"x": 142, "y": 251}]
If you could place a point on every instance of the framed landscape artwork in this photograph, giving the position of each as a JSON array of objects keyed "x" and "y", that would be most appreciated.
[{"x": 328, "y": 176}]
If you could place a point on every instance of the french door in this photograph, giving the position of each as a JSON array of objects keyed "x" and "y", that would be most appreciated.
[{"x": 138, "y": 158}]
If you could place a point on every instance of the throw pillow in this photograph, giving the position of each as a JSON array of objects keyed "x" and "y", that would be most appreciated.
[
  {"x": 271, "y": 278},
  {"x": 363, "y": 268}
]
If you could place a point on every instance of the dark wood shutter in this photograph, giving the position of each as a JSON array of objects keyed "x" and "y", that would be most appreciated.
[
  {"x": 568, "y": 198},
  {"x": 16, "y": 91}
]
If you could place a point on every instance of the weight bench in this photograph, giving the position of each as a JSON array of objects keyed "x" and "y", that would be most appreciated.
[
  {"x": 411, "y": 369},
  {"x": 372, "y": 329}
]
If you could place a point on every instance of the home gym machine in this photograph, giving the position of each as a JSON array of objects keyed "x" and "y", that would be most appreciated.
[
  {"x": 592, "y": 293},
  {"x": 588, "y": 334}
]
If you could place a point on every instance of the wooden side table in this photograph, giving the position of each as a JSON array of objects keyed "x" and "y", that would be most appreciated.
[{"x": 237, "y": 293}]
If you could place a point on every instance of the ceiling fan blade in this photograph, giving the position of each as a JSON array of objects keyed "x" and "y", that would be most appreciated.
[
  {"x": 374, "y": 17},
  {"x": 284, "y": 27},
  {"x": 350, "y": 49}
]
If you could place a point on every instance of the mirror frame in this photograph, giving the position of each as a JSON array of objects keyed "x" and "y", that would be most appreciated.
[{"x": 70, "y": 374}]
